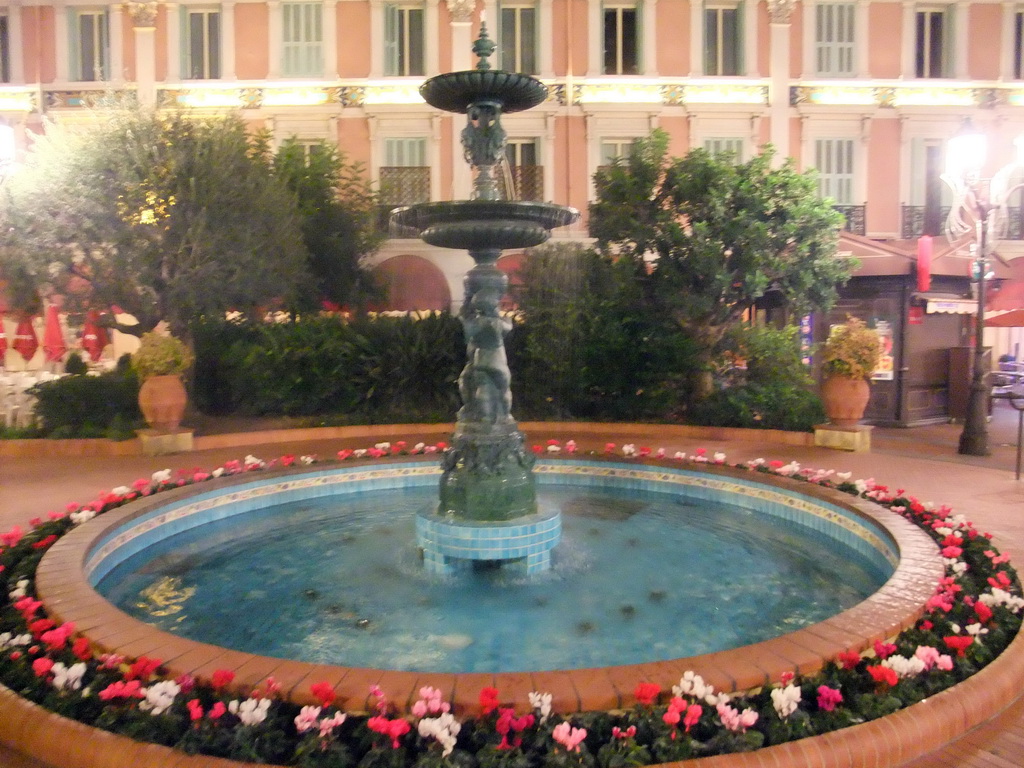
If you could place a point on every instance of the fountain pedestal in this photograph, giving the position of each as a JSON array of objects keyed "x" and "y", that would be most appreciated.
[{"x": 487, "y": 510}]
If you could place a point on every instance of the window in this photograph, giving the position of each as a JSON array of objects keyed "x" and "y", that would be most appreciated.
[
  {"x": 722, "y": 146},
  {"x": 933, "y": 43},
  {"x": 89, "y": 53},
  {"x": 5, "y": 49},
  {"x": 527, "y": 175},
  {"x": 612, "y": 149},
  {"x": 519, "y": 39},
  {"x": 621, "y": 40},
  {"x": 405, "y": 174},
  {"x": 834, "y": 160},
  {"x": 303, "y": 38},
  {"x": 722, "y": 39},
  {"x": 833, "y": 39},
  {"x": 929, "y": 197},
  {"x": 1018, "y": 45},
  {"x": 200, "y": 43},
  {"x": 403, "y": 40}
]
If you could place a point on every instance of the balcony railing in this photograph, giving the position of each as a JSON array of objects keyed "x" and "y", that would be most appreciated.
[
  {"x": 917, "y": 220},
  {"x": 526, "y": 182},
  {"x": 855, "y": 218},
  {"x": 401, "y": 185}
]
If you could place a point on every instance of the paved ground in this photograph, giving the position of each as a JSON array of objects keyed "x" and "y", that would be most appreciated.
[{"x": 922, "y": 460}]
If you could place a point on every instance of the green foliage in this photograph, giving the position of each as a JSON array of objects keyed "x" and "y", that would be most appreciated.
[
  {"x": 89, "y": 406},
  {"x": 339, "y": 220},
  {"x": 168, "y": 216},
  {"x": 589, "y": 345},
  {"x": 851, "y": 351},
  {"x": 709, "y": 237},
  {"x": 161, "y": 355},
  {"x": 371, "y": 370},
  {"x": 75, "y": 364}
]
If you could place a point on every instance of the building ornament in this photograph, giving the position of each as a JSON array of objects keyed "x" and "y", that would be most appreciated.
[
  {"x": 780, "y": 11},
  {"x": 143, "y": 14},
  {"x": 461, "y": 10}
]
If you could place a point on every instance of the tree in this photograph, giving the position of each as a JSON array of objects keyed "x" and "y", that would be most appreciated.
[
  {"x": 339, "y": 228},
  {"x": 169, "y": 217},
  {"x": 708, "y": 237}
]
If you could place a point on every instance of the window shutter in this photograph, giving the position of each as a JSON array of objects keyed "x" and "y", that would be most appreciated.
[
  {"x": 948, "y": 41},
  {"x": 184, "y": 43},
  {"x": 640, "y": 42},
  {"x": 74, "y": 45},
  {"x": 391, "y": 39},
  {"x": 741, "y": 32}
]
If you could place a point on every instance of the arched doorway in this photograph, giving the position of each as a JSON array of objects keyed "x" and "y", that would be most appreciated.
[{"x": 412, "y": 283}]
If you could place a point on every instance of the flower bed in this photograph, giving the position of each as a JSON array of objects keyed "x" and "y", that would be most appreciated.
[{"x": 970, "y": 619}]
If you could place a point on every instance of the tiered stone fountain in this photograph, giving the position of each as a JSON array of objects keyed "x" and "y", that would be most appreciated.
[{"x": 488, "y": 508}]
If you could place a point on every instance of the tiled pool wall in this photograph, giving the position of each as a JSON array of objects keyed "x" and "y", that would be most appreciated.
[{"x": 831, "y": 521}]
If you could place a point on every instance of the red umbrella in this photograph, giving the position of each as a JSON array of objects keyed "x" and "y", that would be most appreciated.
[
  {"x": 94, "y": 337},
  {"x": 3, "y": 340},
  {"x": 25, "y": 341},
  {"x": 53, "y": 337}
]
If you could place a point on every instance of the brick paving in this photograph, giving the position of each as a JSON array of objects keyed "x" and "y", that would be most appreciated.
[{"x": 923, "y": 460}]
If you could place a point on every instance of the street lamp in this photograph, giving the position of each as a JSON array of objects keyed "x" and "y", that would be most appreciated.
[{"x": 979, "y": 207}]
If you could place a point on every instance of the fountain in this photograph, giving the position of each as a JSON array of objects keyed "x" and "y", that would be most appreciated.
[{"x": 488, "y": 508}]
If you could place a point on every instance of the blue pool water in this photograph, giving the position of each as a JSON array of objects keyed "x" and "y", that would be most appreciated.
[{"x": 638, "y": 577}]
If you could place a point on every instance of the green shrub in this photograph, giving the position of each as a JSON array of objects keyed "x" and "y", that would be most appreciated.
[
  {"x": 760, "y": 406},
  {"x": 75, "y": 365},
  {"x": 89, "y": 406}
]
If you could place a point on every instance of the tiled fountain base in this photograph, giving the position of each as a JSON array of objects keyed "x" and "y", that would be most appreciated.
[{"x": 451, "y": 545}]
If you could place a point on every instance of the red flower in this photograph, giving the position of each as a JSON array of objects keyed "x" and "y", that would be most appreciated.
[
  {"x": 848, "y": 659},
  {"x": 537, "y": 449},
  {"x": 646, "y": 693},
  {"x": 489, "y": 700},
  {"x": 42, "y": 666},
  {"x": 195, "y": 710},
  {"x": 692, "y": 716},
  {"x": 958, "y": 643},
  {"x": 344, "y": 453},
  {"x": 787, "y": 678},
  {"x": 883, "y": 675},
  {"x": 39, "y": 626},
  {"x": 222, "y": 678},
  {"x": 983, "y": 611},
  {"x": 217, "y": 710},
  {"x": 828, "y": 698},
  {"x": 142, "y": 669},
  {"x": 323, "y": 692},
  {"x": 81, "y": 649},
  {"x": 44, "y": 543},
  {"x": 884, "y": 650},
  {"x": 926, "y": 625}
]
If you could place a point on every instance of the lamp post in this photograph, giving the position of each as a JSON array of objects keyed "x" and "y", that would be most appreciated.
[{"x": 979, "y": 207}]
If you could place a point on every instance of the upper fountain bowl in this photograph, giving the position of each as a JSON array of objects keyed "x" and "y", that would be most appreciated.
[
  {"x": 482, "y": 224},
  {"x": 456, "y": 91}
]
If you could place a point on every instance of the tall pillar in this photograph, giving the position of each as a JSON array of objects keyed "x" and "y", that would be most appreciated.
[
  {"x": 143, "y": 17},
  {"x": 461, "y": 14},
  {"x": 779, "y": 15}
]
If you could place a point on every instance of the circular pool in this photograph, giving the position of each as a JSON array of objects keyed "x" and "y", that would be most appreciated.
[{"x": 85, "y": 555}]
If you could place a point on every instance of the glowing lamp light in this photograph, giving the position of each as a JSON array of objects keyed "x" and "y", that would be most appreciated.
[
  {"x": 965, "y": 153},
  {"x": 295, "y": 97}
]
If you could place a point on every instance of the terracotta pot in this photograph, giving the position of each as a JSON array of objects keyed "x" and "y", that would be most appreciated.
[
  {"x": 162, "y": 401},
  {"x": 845, "y": 400}
]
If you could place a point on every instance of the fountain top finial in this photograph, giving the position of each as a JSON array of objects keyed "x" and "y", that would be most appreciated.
[{"x": 483, "y": 47}]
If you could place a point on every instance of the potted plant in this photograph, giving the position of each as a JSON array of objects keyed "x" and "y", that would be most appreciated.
[
  {"x": 849, "y": 356},
  {"x": 160, "y": 361}
]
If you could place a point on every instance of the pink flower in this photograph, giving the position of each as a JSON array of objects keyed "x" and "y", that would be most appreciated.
[
  {"x": 618, "y": 733},
  {"x": 222, "y": 678},
  {"x": 569, "y": 737},
  {"x": 609, "y": 447},
  {"x": 646, "y": 693},
  {"x": 122, "y": 690},
  {"x": 828, "y": 698},
  {"x": 734, "y": 720},
  {"x": 12, "y": 537},
  {"x": 42, "y": 666},
  {"x": 323, "y": 692},
  {"x": 693, "y": 714},
  {"x": 884, "y": 650},
  {"x": 195, "y": 710},
  {"x": 217, "y": 710}
]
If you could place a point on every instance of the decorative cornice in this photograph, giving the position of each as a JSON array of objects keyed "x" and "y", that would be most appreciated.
[
  {"x": 461, "y": 10},
  {"x": 143, "y": 14}
]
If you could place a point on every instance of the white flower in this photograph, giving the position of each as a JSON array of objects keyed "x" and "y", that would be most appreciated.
[
  {"x": 9, "y": 640},
  {"x": 692, "y": 684},
  {"x": 905, "y": 667},
  {"x": 307, "y": 460},
  {"x": 789, "y": 469},
  {"x": 754, "y": 463},
  {"x": 719, "y": 458},
  {"x": 976, "y": 631},
  {"x": 250, "y": 711},
  {"x": 861, "y": 486},
  {"x": 419, "y": 447},
  {"x": 542, "y": 703},
  {"x": 82, "y": 516},
  {"x": 629, "y": 449},
  {"x": 679, "y": 455},
  {"x": 554, "y": 449},
  {"x": 998, "y": 597},
  {"x": 159, "y": 697},
  {"x": 251, "y": 462},
  {"x": 843, "y": 476},
  {"x": 383, "y": 446},
  {"x": 328, "y": 724},
  {"x": 359, "y": 453},
  {"x": 217, "y": 472},
  {"x": 20, "y": 589},
  {"x": 69, "y": 678},
  {"x": 444, "y": 728},
  {"x": 161, "y": 476},
  {"x": 959, "y": 567},
  {"x": 786, "y": 700},
  {"x": 121, "y": 490}
]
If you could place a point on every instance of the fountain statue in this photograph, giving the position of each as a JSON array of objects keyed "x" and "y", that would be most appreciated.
[{"x": 488, "y": 508}]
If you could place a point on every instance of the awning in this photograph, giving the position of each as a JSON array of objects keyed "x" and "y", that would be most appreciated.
[{"x": 951, "y": 306}]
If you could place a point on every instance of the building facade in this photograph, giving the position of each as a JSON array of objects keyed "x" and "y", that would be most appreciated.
[{"x": 866, "y": 91}]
